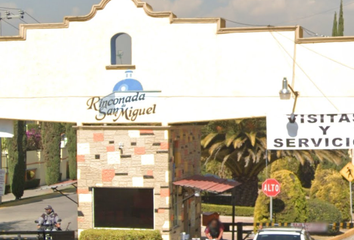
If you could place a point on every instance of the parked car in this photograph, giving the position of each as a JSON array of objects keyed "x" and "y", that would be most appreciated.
[{"x": 282, "y": 234}]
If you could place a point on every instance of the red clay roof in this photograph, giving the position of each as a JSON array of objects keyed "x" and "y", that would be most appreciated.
[{"x": 208, "y": 183}]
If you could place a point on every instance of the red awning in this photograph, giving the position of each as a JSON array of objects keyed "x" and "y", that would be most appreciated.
[{"x": 207, "y": 183}]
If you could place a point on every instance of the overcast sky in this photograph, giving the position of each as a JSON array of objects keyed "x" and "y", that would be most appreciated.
[{"x": 315, "y": 15}]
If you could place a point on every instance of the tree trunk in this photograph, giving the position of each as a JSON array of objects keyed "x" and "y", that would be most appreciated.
[{"x": 247, "y": 192}]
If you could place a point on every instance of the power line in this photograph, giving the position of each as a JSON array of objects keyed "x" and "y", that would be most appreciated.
[
  {"x": 32, "y": 17},
  {"x": 246, "y": 24},
  {"x": 9, "y": 8},
  {"x": 304, "y": 72},
  {"x": 23, "y": 21},
  {"x": 320, "y": 54},
  {"x": 9, "y": 24},
  {"x": 315, "y": 14}
]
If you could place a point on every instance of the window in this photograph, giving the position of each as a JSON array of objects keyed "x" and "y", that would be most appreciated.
[
  {"x": 121, "y": 49},
  {"x": 123, "y": 208}
]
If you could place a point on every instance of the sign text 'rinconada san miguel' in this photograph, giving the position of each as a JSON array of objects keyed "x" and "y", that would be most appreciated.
[
  {"x": 128, "y": 101},
  {"x": 310, "y": 131}
]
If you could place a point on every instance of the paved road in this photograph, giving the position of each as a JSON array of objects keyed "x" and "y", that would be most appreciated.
[{"x": 21, "y": 217}]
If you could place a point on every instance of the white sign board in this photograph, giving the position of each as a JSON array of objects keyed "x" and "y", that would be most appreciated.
[
  {"x": 2, "y": 182},
  {"x": 310, "y": 131}
]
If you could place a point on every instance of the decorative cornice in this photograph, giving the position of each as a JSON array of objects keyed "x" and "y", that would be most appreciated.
[
  {"x": 324, "y": 40},
  {"x": 221, "y": 26},
  {"x": 120, "y": 67},
  {"x": 258, "y": 29}
]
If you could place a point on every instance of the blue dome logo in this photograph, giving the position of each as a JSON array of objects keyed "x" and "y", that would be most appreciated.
[{"x": 128, "y": 84}]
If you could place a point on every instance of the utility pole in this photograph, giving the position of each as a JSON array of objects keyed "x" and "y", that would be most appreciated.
[{"x": 8, "y": 15}]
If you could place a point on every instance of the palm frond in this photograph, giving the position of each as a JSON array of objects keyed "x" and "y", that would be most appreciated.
[
  {"x": 205, "y": 141},
  {"x": 238, "y": 142},
  {"x": 229, "y": 139},
  {"x": 215, "y": 147},
  {"x": 252, "y": 137}
]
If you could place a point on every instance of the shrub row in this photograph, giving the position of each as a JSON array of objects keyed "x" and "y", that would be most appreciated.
[
  {"x": 226, "y": 210},
  {"x": 30, "y": 184},
  {"x": 33, "y": 183},
  {"x": 102, "y": 234}
]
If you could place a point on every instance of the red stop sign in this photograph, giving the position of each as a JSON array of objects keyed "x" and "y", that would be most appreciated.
[{"x": 271, "y": 187}]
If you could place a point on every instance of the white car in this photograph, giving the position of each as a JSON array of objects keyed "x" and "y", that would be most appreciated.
[{"x": 282, "y": 234}]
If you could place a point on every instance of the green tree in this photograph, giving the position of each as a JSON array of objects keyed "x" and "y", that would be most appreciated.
[
  {"x": 289, "y": 205},
  {"x": 335, "y": 26},
  {"x": 329, "y": 186},
  {"x": 241, "y": 146},
  {"x": 341, "y": 20},
  {"x": 17, "y": 159},
  {"x": 51, "y": 140},
  {"x": 71, "y": 136}
]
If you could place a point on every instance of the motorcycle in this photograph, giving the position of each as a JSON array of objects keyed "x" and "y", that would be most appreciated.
[{"x": 46, "y": 228}]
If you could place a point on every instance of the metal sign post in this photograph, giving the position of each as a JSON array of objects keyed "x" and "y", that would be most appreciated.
[
  {"x": 351, "y": 201},
  {"x": 348, "y": 173},
  {"x": 271, "y": 209},
  {"x": 271, "y": 188}
]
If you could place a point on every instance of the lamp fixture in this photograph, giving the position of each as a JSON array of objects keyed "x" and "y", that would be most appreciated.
[
  {"x": 285, "y": 94},
  {"x": 197, "y": 193}
]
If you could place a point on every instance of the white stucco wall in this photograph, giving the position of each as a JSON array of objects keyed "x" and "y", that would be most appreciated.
[{"x": 202, "y": 75}]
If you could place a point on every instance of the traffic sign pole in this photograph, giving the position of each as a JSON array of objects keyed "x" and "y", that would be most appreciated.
[
  {"x": 271, "y": 188},
  {"x": 271, "y": 209},
  {"x": 351, "y": 201}
]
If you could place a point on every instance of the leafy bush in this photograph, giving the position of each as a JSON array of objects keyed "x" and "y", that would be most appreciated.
[
  {"x": 289, "y": 206},
  {"x": 226, "y": 210},
  {"x": 307, "y": 191},
  {"x": 33, "y": 183},
  {"x": 329, "y": 186},
  {"x": 33, "y": 134},
  {"x": 286, "y": 163},
  {"x": 101, "y": 234},
  {"x": 321, "y": 211}
]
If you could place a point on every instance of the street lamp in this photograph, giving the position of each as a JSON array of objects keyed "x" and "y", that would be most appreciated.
[{"x": 285, "y": 94}]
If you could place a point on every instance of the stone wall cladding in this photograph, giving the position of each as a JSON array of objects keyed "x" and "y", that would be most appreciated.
[
  {"x": 147, "y": 155},
  {"x": 95, "y": 171},
  {"x": 184, "y": 157}
]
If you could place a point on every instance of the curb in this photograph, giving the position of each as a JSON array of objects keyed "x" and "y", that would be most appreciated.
[
  {"x": 344, "y": 235},
  {"x": 23, "y": 201}
]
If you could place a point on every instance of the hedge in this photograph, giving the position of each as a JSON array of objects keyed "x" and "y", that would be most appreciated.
[
  {"x": 33, "y": 183},
  {"x": 321, "y": 211},
  {"x": 329, "y": 186},
  {"x": 226, "y": 210},
  {"x": 30, "y": 184},
  {"x": 102, "y": 234}
]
